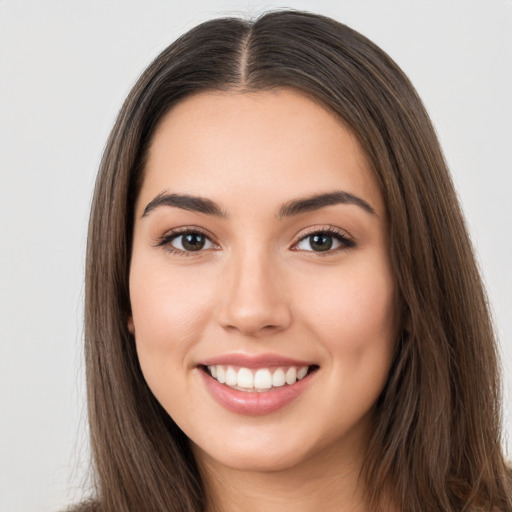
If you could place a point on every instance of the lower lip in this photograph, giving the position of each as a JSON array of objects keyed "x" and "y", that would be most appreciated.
[{"x": 255, "y": 403}]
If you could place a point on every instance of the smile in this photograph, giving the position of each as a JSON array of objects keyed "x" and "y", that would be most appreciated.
[
  {"x": 256, "y": 379},
  {"x": 256, "y": 385}
]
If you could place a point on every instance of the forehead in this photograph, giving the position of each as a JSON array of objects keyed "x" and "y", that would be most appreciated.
[{"x": 267, "y": 144}]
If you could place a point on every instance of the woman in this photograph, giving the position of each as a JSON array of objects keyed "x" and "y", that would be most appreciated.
[{"x": 282, "y": 306}]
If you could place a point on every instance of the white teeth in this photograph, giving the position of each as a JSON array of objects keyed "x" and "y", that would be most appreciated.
[
  {"x": 261, "y": 379},
  {"x": 301, "y": 372},
  {"x": 245, "y": 378},
  {"x": 291, "y": 375},
  {"x": 221, "y": 374},
  {"x": 279, "y": 379},
  {"x": 231, "y": 377}
]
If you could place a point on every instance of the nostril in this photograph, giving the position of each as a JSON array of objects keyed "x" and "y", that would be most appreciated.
[
  {"x": 252, "y": 302},
  {"x": 255, "y": 322}
]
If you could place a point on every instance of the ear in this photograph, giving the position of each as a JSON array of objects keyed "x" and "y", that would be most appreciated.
[{"x": 131, "y": 325}]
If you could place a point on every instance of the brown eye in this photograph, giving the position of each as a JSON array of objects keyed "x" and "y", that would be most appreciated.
[
  {"x": 320, "y": 242},
  {"x": 191, "y": 242},
  {"x": 324, "y": 241}
]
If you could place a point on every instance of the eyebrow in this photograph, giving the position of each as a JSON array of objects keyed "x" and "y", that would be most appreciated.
[
  {"x": 316, "y": 202},
  {"x": 185, "y": 202},
  {"x": 291, "y": 208}
]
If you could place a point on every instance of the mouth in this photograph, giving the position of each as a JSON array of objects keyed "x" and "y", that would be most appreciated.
[
  {"x": 256, "y": 385},
  {"x": 257, "y": 380}
]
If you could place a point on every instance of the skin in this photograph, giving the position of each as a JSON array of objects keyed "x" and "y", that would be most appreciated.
[{"x": 258, "y": 287}]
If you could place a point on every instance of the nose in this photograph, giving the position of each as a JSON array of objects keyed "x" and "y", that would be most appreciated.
[{"x": 253, "y": 298}]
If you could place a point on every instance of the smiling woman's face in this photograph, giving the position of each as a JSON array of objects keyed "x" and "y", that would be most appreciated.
[{"x": 260, "y": 255}]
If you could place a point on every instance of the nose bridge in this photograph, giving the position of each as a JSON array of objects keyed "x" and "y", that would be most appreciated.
[{"x": 254, "y": 297}]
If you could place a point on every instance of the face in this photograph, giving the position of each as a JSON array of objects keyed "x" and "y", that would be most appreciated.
[{"x": 263, "y": 304}]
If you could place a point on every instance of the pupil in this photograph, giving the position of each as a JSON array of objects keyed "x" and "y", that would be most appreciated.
[
  {"x": 321, "y": 242},
  {"x": 193, "y": 242}
]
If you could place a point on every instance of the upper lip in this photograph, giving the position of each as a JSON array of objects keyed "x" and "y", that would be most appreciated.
[{"x": 254, "y": 361}]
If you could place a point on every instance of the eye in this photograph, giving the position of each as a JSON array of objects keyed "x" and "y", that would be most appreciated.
[
  {"x": 324, "y": 241},
  {"x": 191, "y": 242},
  {"x": 186, "y": 242}
]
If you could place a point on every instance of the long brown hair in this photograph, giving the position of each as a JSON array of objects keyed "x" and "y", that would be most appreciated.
[{"x": 436, "y": 442}]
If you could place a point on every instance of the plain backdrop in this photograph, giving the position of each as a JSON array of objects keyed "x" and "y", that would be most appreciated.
[{"x": 65, "y": 68}]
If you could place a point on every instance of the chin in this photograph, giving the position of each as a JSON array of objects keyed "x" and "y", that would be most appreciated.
[
  {"x": 254, "y": 459},
  {"x": 273, "y": 451}
]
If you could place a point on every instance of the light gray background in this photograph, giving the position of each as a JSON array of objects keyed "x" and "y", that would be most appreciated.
[{"x": 65, "y": 67}]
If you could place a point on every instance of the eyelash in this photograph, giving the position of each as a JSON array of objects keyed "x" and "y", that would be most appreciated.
[
  {"x": 168, "y": 238},
  {"x": 346, "y": 242}
]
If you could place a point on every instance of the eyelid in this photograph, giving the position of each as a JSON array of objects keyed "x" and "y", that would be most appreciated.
[
  {"x": 165, "y": 240},
  {"x": 343, "y": 236},
  {"x": 347, "y": 240}
]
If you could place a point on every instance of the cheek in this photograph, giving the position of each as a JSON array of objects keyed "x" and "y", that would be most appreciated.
[
  {"x": 165, "y": 302},
  {"x": 169, "y": 312},
  {"x": 354, "y": 313},
  {"x": 356, "y": 322}
]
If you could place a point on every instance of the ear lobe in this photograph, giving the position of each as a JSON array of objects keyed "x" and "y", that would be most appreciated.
[{"x": 131, "y": 326}]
